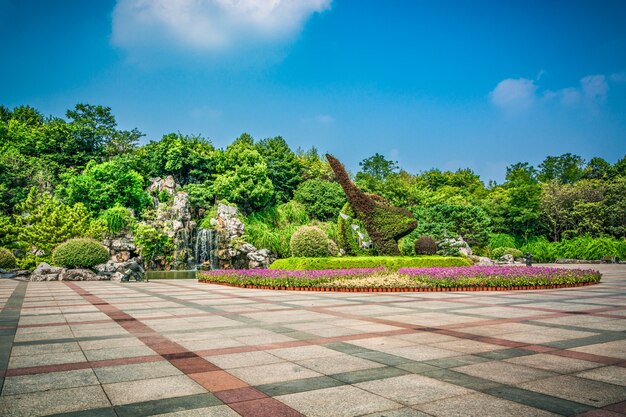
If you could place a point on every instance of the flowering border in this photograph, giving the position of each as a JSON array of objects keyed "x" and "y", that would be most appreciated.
[{"x": 416, "y": 289}]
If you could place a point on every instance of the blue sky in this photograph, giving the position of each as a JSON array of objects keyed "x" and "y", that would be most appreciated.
[{"x": 446, "y": 84}]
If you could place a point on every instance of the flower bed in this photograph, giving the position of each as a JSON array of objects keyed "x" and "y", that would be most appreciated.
[
  {"x": 406, "y": 279},
  {"x": 500, "y": 276},
  {"x": 390, "y": 262}
]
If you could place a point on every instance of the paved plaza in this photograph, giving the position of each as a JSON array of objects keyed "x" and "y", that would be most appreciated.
[{"x": 180, "y": 348}]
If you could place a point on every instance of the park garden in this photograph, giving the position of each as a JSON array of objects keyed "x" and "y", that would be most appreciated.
[{"x": 77, "y": 191}]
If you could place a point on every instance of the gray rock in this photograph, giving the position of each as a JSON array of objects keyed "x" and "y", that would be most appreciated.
[
  {"x": 259, "y": 259},
  {"x": 46, "y": 272},
  {"x": 484, "y": 261},
  {"x": 77, "y": 274}
]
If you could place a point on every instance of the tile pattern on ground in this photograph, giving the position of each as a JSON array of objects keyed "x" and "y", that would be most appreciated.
[{"x": 182, "y": 349}]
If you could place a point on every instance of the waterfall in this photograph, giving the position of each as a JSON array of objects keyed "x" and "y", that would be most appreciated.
[{"x": 206, "y": 244}]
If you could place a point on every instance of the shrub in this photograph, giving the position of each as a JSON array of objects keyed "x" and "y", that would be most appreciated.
[
  {"x": 333, "y": 249},
  {"x": 501, "y": 240},
  {"x": 7, "y": 260},
  {"x": 309, "y": 241},
  {"x": 500, "y": 252},
  {"x": 425, "y": 245},
  {"x": 322, "y": 199},
  {"x": 389, "y": 262},
  {"x": 80, "y": 253},
  {"x": 117, "y": 218}
]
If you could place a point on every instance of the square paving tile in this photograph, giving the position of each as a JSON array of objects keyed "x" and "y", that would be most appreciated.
[
  {"x": 611, "y": 374},
  {"x": 481, "y": 405},
  {"x": 344, "y": 401},
  {"x": 53, "y": 402},
  {"x": 337, "y": 364},
  {"x": 267, "y": 374},
  {"x": 151, "y": 389},
  {"x": 48, "y": 381},
  {"x": 595, "y": 393},
  {"x": 46, "y": 359},
  {"x": 554, "y": 363},
  {"x": 413, "y": 389},
  {"x": 615, "y": 349},
  {"x": 132, "y": 372},
  {"x": 505, "y": 373},
  {"x": 240, "y": 360}
]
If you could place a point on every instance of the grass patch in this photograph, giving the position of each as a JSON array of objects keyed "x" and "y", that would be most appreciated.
[{"x": 392, "y": 263}]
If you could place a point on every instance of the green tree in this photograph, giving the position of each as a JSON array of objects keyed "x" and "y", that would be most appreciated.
[
  {"x": 321, "y": 199},
  {"x": 598, "y": 169},
  {"x": 189, "y": 159},
  {"x": 313, "y": 165},
  {"x": 102, "y": 186},
  {"x": 44, "y": 222},
  {"x": 284, "y": 169},
  {"x": 378, "y": 167},
  {"x": 566, "y": 168},
  {"x": 244, "y": 178}
]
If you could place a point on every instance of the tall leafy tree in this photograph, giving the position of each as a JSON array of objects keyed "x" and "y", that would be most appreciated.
[
  {"x": 567, "y": 168},
  {"x": 284, "y": 169}
]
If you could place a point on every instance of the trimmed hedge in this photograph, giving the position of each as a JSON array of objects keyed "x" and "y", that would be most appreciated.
[
  {"x": 309, "y": 241},
  {"x": 390, "y": 262},
  {"x": 80, "y": 253},
  {"x": 7, "y": 260}
]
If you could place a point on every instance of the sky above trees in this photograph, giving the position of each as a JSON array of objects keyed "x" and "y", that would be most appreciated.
[{"x": 446, "y": 84}]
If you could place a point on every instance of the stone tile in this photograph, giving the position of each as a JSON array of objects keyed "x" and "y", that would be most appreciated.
[
  {"x": 505, "y": 373},
  {"x": 53, "y": 402},
  {"x": 46, "y": 359},
  {"x": 40, "y": 349},
  {"x": 338, "y": 364},
  {"x": 168, "y": 405},
  {"x": 594, "y": 393},
  {"x": 117, "y": 353},
  {"x": 615, "y": 349},
  {"x": 422, "y": 353},
  {"x": 481, "y": 405},
  {"x": 412, "y": 389},
  {"x": 122, "y": 373},
  {"x": 265, "y": 407},
  {"x": 554, "y": 363},
  {"x": 268, "y": 374},
  {"x": 611, "y": 374},
  {"x": 368, "y": 375},
  {"x": 240, "y": 360},
  {"x": 151, "y": 389},
  {"x": 402, "y": 412},
  {"x": 217, "y": 381},
  {"x": 44, "y": 382},
  {"x": 460, "y": 379},
  {"x": 466, "y": 346},
  {"x": 299, "y": 385},
  {"x": 303, "y": 352},
  {"x": 344, "y": 401},
  {"x": 217, "y": 411}
]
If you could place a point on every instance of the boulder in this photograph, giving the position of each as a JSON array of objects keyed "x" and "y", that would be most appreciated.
[
  {"x": 46, "y": 272},
  {"x": 484, "y": 261},
  {"x": 260, "y": 259},
  {"x": 79, "y": 275}
]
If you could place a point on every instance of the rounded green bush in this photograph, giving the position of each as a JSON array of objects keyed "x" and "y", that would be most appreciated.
[
  {"x": 425, "y": 245},
  {"x": 500, "y": 252},
  {"x": 80, "y": 253},
  {"x": 7, "y": 260},
  {"x": 309, "y": 241}
]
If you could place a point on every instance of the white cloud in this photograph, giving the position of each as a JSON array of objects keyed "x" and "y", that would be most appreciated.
[
  {"x": 594, "y": 87},
  {"x": 514, "y": 94},
  {"x": 521, "y": 94},
  {"x": 209, "y": 25}
]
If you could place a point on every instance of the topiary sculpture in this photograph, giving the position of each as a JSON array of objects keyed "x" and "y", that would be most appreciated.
[
  {"x": 80, "y": 253},
  {"x": 7, "y": 260},
  {"x": 309, "y": 241},
  {"x": 385, "y": 224},
  {"x": 425, "y": 245}
]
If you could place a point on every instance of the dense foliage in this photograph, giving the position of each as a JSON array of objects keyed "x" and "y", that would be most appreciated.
[
  {"x": 80, "y": 253},
  {"x": 7, "y": 259},
  {"x": 309, "y": 241},
  {"x": 81, "y": 175},
  {"x": 389, "y": 262},
  {"x": 425, "y": 245}
]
